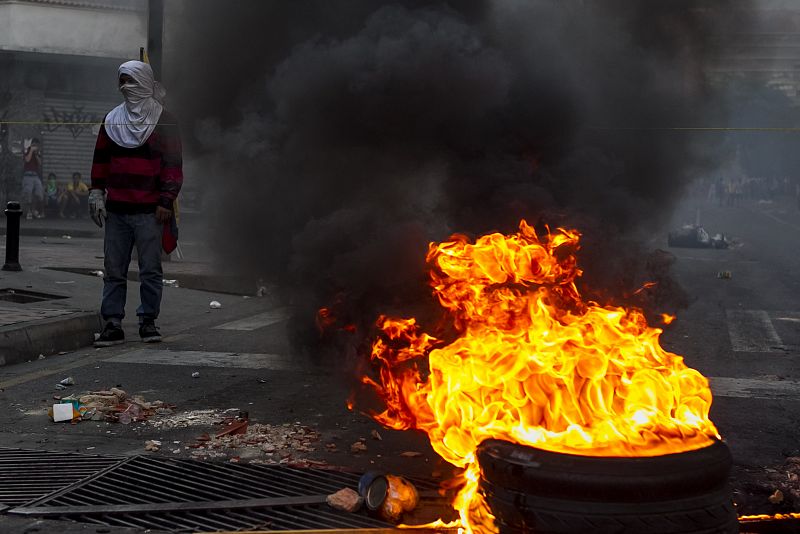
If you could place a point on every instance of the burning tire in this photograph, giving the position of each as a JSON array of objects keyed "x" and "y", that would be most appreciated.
[{"x": 531, "y": 490}]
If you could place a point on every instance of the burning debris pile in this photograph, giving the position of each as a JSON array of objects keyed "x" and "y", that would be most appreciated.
[{"x": 532, "y": 363}]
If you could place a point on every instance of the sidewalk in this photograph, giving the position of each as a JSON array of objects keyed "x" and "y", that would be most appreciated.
[
  {"x": 61, "y": 260},
  {"x": 192, "y": 222},
  {"x": 54, "y": 227}
]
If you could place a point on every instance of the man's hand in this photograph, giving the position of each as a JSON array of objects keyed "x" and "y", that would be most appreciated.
[
  {"x": 97, "y": 206},
  {"x": 163, "y": 215}
]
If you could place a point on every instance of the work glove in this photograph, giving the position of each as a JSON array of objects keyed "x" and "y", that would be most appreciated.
[{"x": 97, "y": 206}]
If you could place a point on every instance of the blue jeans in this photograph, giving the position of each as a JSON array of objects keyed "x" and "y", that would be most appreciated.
[{"x": 123, "y": 232}]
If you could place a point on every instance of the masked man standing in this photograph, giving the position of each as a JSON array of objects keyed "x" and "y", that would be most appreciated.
[{"x": 136, "y": 176}]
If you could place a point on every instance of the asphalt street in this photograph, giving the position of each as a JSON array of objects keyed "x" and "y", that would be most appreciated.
[{"x": 743, "y": 332}]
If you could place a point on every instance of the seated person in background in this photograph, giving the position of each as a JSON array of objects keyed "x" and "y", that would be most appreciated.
[
  {"x": 77, "y": 197},
  {"x": 51, "y": 194},
  {"x": 63, "y": 201}
]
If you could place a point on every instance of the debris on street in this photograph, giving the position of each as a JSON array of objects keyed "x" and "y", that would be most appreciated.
[
  {"x": 215, "y": 304},
  {"x": 774, "y": 490},
  {"x": 373, "y": 487},
  {"x": 152, "y": 445},
  {"x": 196, "y": 374},
  {"x": 62, "y": 412},
  {"x": 359, "y": 446},
  {"x": 259, "y": 443},
  {"x": 69, "y": 381},
  {"x": 695, "y": 236},
  {"x": 170, "y": 283},
  {"x": 376, "y": 435},
  {"x": 347, "y": 500},
  {"x": 113, "y": 406},
  {"x": 101, "y": 274},
  {"x": 235, "y": 428},
  {"x": 411, "y": 454},
  {"x": 724, "y": 275},
  {"x": 401, "y": 497},
  {"x": 193, "y": 418}
]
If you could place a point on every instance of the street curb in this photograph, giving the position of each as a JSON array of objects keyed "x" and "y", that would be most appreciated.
[
  {"x": 54, "y": 232},
  {"x": 213, "y": 283},
  {"x": 26, "y": 341}
]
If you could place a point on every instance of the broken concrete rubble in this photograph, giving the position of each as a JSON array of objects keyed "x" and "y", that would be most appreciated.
[
  {"x": 347, "y": 500},
  {"x": 259, "y": 443},
  {"x": 118, "y": 406},
  {"x": 359, "y": 446},
  {"x": 114, "y": 406},
  {"x": 191, "y": 418}
]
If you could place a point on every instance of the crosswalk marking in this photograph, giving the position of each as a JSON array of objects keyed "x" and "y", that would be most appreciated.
[
  {"x": 776, "y": 219},
  {"x": 753, "y": 388},
  {"x": 206, "y": 359},
  {"x": 753, "y": 331},
  {"x": 786, "y": 316},
  {"x": 256, "y": 321}
]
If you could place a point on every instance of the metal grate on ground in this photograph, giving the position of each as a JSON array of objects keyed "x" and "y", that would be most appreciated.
[
  {"x": 26, "y": 475},
  {"x": 188, "y": 495}
]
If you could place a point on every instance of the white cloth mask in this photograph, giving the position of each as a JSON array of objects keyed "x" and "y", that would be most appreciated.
[{"x": 130, "y": 124}]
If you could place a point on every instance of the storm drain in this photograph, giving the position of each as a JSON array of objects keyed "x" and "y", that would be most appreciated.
[
  {"x": 187, "y": 495},
  {"x": 30, "y": 474},
  {"x": 23, "y": 296}
]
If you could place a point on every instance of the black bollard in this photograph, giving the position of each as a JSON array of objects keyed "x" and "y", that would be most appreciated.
[{"x": 13, "y": 215}]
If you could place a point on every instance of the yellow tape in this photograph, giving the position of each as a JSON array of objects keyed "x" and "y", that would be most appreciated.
[
  {"x": 676, "y": 128},
  {"x": 53, "y": 123},
  {"x": 698, "y": 129}
]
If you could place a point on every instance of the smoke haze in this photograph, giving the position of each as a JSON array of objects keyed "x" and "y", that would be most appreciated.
[{"x": 336, "y": 139}]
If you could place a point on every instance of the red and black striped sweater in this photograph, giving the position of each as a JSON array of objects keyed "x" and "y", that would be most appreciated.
[{"x": 136, "y": 180}]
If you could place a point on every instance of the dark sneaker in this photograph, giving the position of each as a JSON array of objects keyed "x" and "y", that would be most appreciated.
[
  {"x": 149, "y": 333},
  {"x": 111, "y": 335}
]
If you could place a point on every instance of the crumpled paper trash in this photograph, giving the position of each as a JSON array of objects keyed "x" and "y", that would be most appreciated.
[{"x": 401, "y": 497}]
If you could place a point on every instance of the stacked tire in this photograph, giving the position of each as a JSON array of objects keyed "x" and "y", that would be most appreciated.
[{"x": 531, "y": 490}]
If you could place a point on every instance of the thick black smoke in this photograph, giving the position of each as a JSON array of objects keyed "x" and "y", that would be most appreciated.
[{"x": 336, "y": 139}]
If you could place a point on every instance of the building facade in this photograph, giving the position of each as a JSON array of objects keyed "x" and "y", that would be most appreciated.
[{"x": 58, "y": 65}]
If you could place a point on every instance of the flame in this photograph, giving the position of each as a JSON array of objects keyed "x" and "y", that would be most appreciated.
[
  {"x": 325, "y": 319},
  {"x": 532, "y": 364},
  {"x": 667, "y": 318},
  {"x": 645, "y": 286},
  {"x": 767, "y": 517}
]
